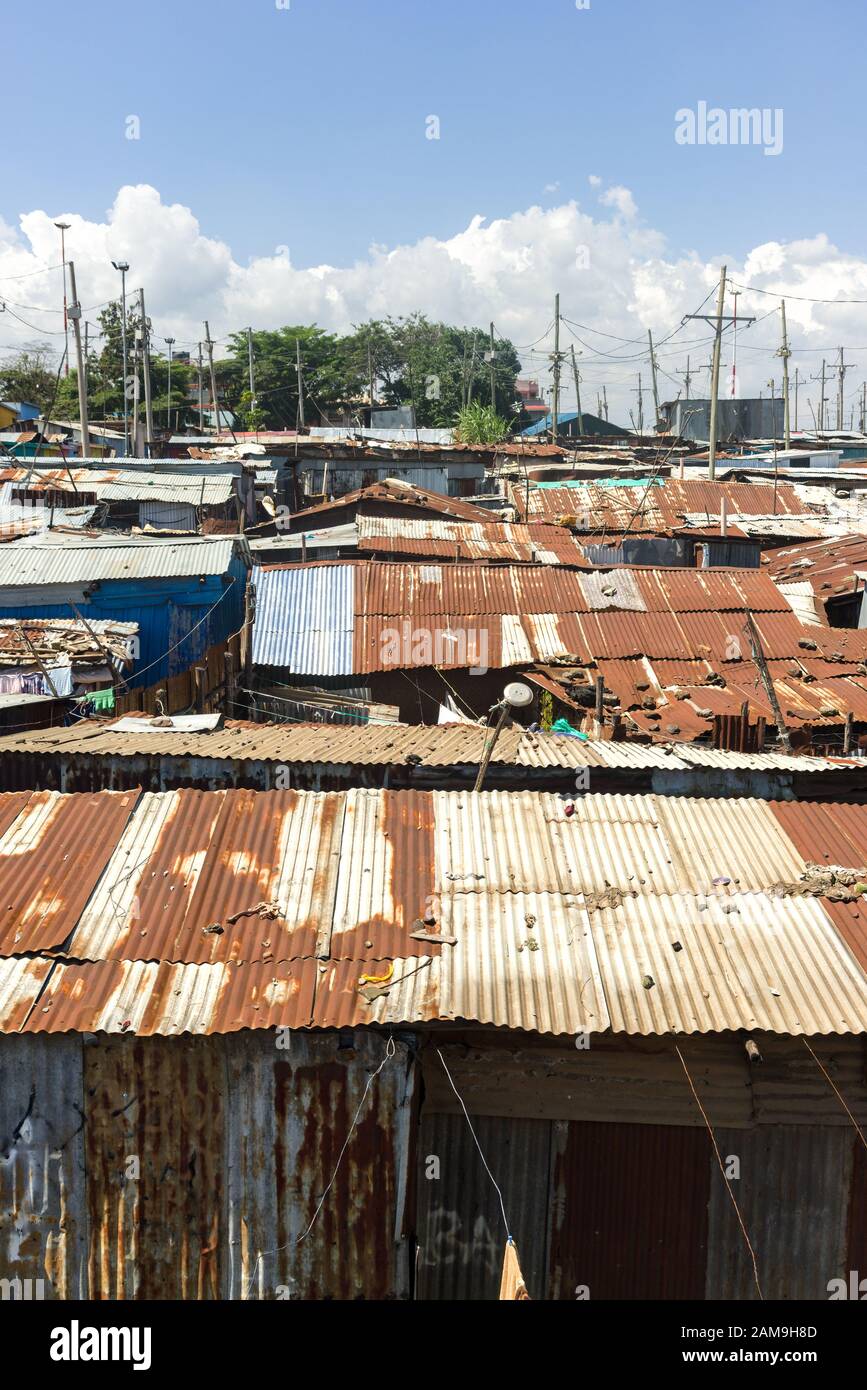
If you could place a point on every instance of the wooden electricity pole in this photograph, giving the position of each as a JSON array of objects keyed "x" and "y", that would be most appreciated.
[
  {"x": 653, "y": 374},
  {"x": 714, "y": 382},
  {"x": 300, "y": 383},
  {"x": 577, "y": 376},
  {"x": 785, "y": 354},
  {"x": 210, "y": 347},
  {"x": 493, "y": 372},
  {"x": 555, "y": 398},
  {"x": 146, "y": 368}
]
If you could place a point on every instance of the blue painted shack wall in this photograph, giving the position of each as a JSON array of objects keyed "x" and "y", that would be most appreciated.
[{"x": 167, "y": 612}]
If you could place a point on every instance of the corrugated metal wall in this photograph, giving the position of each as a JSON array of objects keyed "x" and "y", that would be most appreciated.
[
  {"x": 629, "y": 1211},
  {"x": 460, "y": 1229},
  {"x": 43, "y": 1221},
  {"x": 189, "y": 1167},
  {"x": 793, "y": 1193},
  {"x": 634, "y": 1208}
]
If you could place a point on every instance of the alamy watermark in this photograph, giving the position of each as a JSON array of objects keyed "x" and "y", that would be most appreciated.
[{"x": 738, "y": 126}]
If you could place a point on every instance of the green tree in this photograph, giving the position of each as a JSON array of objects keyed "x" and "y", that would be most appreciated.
[
  {"x": 329, "y": 381},
  {"x": 31, "y": 375}
]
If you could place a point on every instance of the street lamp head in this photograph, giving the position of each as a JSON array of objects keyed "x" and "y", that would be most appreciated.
[
  {"x": 169, "y": 341},
  {"x": 63, "y": 226},
  {"x": 121, "y": 265}
]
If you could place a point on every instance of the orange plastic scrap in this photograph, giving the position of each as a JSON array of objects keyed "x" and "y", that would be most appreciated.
[{"x": 377, "y": 979}]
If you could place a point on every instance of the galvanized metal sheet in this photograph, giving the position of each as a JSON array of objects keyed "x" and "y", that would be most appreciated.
[
  {"x": 305, "y": 619},
  {"x": 80, "y": 561},
  {"x": 460, "y": 1228},
  {"x": 43, "y": 1217},
  {"x": 793, "y": 1194}
]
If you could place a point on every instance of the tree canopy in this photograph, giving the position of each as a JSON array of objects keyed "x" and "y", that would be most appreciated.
[{"x": 437, "y": 368}]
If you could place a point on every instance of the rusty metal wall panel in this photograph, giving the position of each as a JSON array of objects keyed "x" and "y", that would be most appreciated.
[
  {"x": 793, "y": 1193},
  {"x": 856, "y": 1244},
  {"x": 629, "y": 1211},
  {"x": 161, "y": 1235},
  {"x": 42, "y": 1167},
  {"x": 291, "y": 1112},
  {"x": 460, "y": 1225}
]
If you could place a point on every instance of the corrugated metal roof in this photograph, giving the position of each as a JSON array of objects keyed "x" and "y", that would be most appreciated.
[
  {"x": 124, "y": 485},
  {"x": 220, "y": 910},
  {"x": 76, "y": 560},
  {"x": 430, "y": 745},
  {"x": 658, "y": 509},
  {"x": 490, "y": 540},
  {"x": 830, "y": 566},
  {"x": 207, "y": 490},
  {"x": 305, "y": 618}
]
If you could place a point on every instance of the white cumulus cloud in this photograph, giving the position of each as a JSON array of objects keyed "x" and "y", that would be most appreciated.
[{"x": 614, "y": 274}]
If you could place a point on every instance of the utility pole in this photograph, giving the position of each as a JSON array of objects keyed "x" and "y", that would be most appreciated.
[
  {"x": 123, "y": 267},
  {"x": 577, "y": 376},
  {"x": 555, "y": 399},
  {"x": 605, "y": 401},
  {"x": 370, "y": 379},
  {"x": 653, "y": 375},
  {"x": 210, "y": 347},
  {"x": 797, "y": 378},
  {"x": 863, "y": 406},
  {"x": 640, "y": 406},
  {"x": 785, "y": 354},
  {"x": 201, "y": 399},
  {"x": 250, "y": 367},
  {"x": 717, "y": 320},
  {"x": 146, "y": 367},
  {"x": 714, "y": 385},
  {"x": 687, "y": 375},
  {"x": 74, "y": 313},
  {"x": 300, "y": 383},
  {"x": 170, "y": 342},
  {"x": 137, "y": 447},
  {"x": 820, "y": 423},
  {"x": 842, "y": 369},
  {"x": 493, "y": 373}
]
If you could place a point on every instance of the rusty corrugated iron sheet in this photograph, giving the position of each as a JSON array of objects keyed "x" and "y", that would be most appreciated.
[
  {"x": 829, "y": 566},
  {"x": 659, "y": 509},
  {"x": 428, "y": 745},
  {"x": 188, "y": 1168},
  {"x": 643, "y": 914},
  {"x": 51, "y": 857},
  {"x": 489, "y": 540},
  {"x": 43, "y": 1212},
  {"x": 606, "y": 1235}
]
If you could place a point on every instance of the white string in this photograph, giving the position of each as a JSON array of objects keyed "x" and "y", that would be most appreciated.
[{"x": 478, "y": 1145}]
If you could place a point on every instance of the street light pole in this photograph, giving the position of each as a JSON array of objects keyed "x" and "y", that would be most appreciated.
[
  {"x": 170, "y": 341},
  {"x": 123, "y": 267},
  {"x": 63, "y": 228}
]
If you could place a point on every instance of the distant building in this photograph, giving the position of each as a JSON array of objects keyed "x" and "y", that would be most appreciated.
[
  {"x": 568, "y": 425},
  {"x": 752, "y": 418},
  {"x": 532, "y": 403}
]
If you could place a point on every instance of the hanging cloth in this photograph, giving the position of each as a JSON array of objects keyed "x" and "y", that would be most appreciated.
[{"x": 512, "y": 1284}]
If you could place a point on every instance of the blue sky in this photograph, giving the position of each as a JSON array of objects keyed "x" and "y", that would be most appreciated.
[
  {"x": 305, "y": 126},
  {"x": 266, "y": 128}
]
